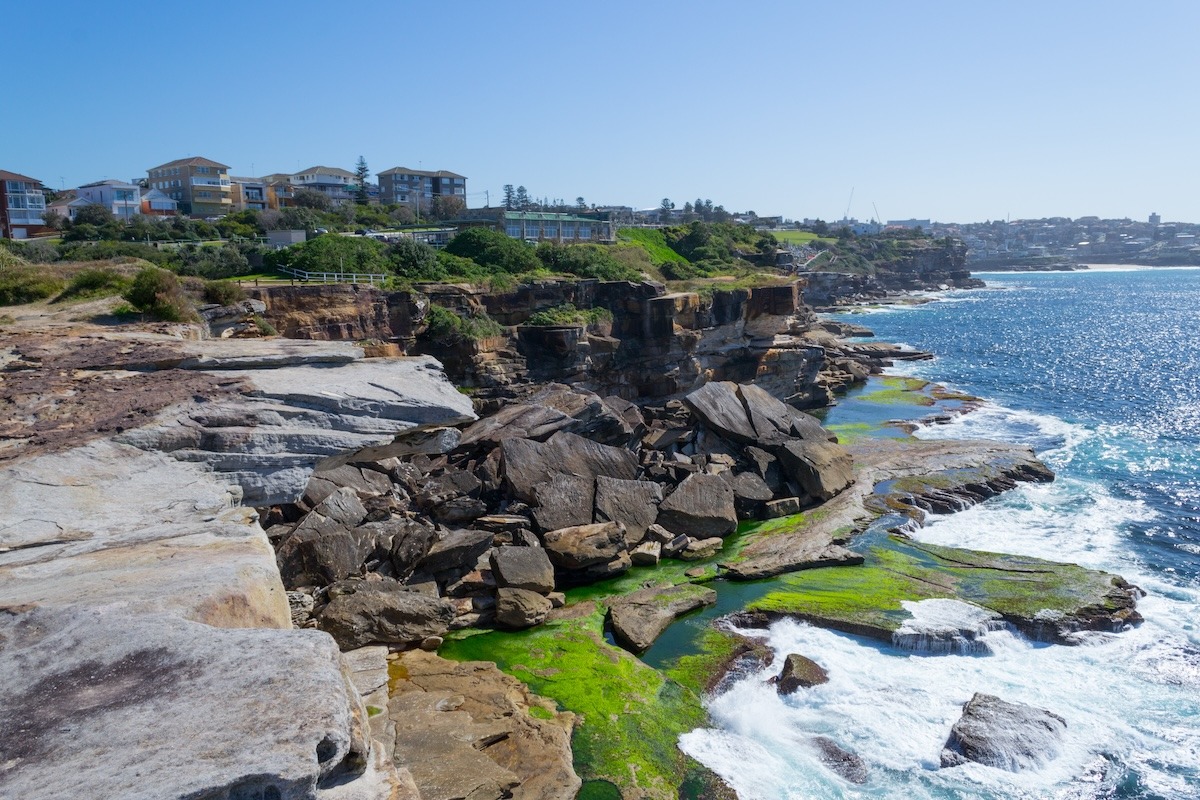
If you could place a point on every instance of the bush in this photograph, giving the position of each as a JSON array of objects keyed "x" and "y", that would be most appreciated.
[
  {"x": 91, "y": 283},
  {"x": 226, "y": 261},
  {"x": 449, "y": 328},
  {"x": 333, "y": 253},
  {"x": 568, "y": 314},
  {"x": 494, "y": 251},
  {"x": 77, "y": 251},
  {"x": 415, "y": 260},
  {"x": 224, "y": 293},
  {"x": 585, "y": 260},
  {"x": 157, "y": 292},
  {"x": 22, "y": 283}
]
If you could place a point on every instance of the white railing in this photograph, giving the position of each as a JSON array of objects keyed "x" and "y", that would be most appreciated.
[{"x": 334, "y": 277}]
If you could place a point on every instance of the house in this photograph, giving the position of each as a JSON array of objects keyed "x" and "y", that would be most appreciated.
[
  {"x": 339, "y": 185},
  {"x": 279, "y": 189},
  {"x": 538, "y": 226},
  {"x": 157, "y": 204},
  {"x": 418, "y": 187},
  {"x": 22, "y": 206},
  {"x": 123, "y": 199},
  {"x": 249, "y": 194},
  {"x": 200, "y": 185}
]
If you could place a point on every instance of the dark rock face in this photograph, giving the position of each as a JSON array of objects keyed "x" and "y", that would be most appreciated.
[
  {"x": 820, "y": 469},
  {"x": 455, "y": 549},
  {"x": 363, "y": 612},
  {"x": 314, "y": 557},
  {"x": 528, "y": 464},
  {"x": 411, "y": 541},
  {"x": 634, "y": 504},
  {"x": 564, "y": 501},
  {"x": 845, "y": 763},
  {"x": 800, "y": 672},
  {"x": 701, "y": 506},
  {"x": 523, "y": 568},
  {"x": 1009, "y": 736},
  {"x": 638, "y": 619}
]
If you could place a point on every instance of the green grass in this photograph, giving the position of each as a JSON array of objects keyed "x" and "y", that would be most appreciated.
[
  {"x": 22, "y": 283},
  {"x": 630, "y": 714},
  {"x": 801, "y": 237},
  {"x": 654, "y": 243},
  {"x": 89, "y": 284},
  {"x": 899, "y": 391}
]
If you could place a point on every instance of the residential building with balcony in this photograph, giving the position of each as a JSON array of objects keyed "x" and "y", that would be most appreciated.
[
  {"x": 201, "y": 186},
  {"x": 279, "y": 189},
  {"x": 158, "y": 204},
  {"x": 339, "y": 185},
  {"x": 123, "y": 199},
  {"x": 418, "y": 187},
  {"x": 22, "y": 206},
  {"x": 249, "y": 194}
]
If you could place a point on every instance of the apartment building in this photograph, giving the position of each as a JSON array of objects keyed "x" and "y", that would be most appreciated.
[
  {"x": 419, "y": 187},
  {"x": 201, "y": 186},
  {"x": 249, "y": 194},
  {"x": 123, "y": 199},
  {"x": 339, "y": 185},
  {"x": 22, "y": 206},
  {"x": 550, "y": 226}
]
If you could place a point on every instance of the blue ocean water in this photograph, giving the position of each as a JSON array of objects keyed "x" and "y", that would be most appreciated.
[{"x": 1099, "y": 372}]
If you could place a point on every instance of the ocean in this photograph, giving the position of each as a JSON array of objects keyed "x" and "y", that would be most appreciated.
[{"x": 1099, "y": 372}]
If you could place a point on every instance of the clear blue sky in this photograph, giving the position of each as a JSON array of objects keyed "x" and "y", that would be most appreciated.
[{"x": 956, "y": 111}]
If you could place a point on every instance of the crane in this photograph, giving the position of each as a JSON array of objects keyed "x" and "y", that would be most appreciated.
[{"x": 848, "y": 202}]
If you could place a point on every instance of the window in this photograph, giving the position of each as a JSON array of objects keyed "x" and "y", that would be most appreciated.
[
  {"x": 551, "y": 230},
  {"x": 585, "y": 231},
  {"x": 568, "y": 229},
  {"x": 513, "y": 228}
]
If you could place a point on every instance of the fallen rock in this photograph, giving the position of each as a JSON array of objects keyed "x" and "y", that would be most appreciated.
[
  {"x": 411, "y": 541},
  {"x": 456, "y": 549},
  {"x": 845, "y": 763},
  {"x": 523, "y": 568},
  {"x": 1009, "y": 736},
  {"x": 638, "y": 619},
  {"x": 529, "y": 464},
  {"x": 465, "y": 730},
  {"x": 800, "y": 672},
  {"x": 701, "y": 506},
  {"x": 821, "y": 469},
  {"x": 646, "y": 554},
  {"x": 563, "y": 502},
  {"x": 700, "y": 549},
  {"x": 585, "y": 545},
  {"x": 521, "y": 608},
  {"x": 382, "y": 611},
  {"x": 314, "y": 556},
  {"x": 634, "y": 504}
]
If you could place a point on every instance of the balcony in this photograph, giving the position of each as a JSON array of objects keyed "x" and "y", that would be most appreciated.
[{"x": 209, "y": 182}]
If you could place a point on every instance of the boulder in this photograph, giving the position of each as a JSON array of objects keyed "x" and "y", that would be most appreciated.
[
  {"x": 719, "y": 406},
  {"x": 799, "y": 673},
  {"x": 338, "y": 511},
  {"x": 638, "y": 619},
  {"x": 766, "y": 466},
  {"x": 775, "y": 421},
  {"x": 701, "y": 549},
  {"x": 452, "y": 484},
  {"x": 701, "y": 506},
  {"x": 608, "y": 569},
  {"x": 821, "y": 469},
  {"x": 845, "y": 763},
  {"x": 523, "y": 568},
  {"x": 750, "y": 492},
  {"x": 528, "y": 464},
  {"x": 314, "y": 556},
  {"x": 455, "y": 550},
  {"x": 460, "y": 510},
  {"x": 410, "y": 543},
  {"x": 783, "y": 507},
  {"x": 646, "y": 554},
  {"x": 1009, "y": 736},
  {"x": 634, "y": 504},
  {"x": 520, "y": 608},
  {"x": 584, "y": 546},
  {"x": 563, "y": 501},
  {"x": 365, "y": 483},
  {"x": 383, "y": 611}
]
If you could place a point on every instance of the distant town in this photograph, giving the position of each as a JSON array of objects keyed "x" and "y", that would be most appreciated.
[{"x": 432, "y": 205}]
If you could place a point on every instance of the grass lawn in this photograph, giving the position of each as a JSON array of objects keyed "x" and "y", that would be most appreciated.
[{"x": 800, "y": 237}]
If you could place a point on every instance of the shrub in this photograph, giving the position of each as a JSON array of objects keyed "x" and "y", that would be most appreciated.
[
  {"x": 157, "y": 292},
  {"x": 494, "y": 251},
  {"x": 415, "y": 260},
  {"x": 77, "y": 251},
  {"x": 449, "y": 328},
  {"x": 90, "y": 283},
  {"x": 22, "y": 283},
  {"x": 264, "y": 327},
  {"x": 584, "y": 260},
  {"x": 568, "y": 314},
  {"x": 224, "y": 293},
  {"x": 332, "y": 253}
]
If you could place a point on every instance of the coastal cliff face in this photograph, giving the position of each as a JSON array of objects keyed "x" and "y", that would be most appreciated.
[{"x": 135, "y": 586}]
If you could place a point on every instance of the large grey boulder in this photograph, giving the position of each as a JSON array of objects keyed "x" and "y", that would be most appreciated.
[
  {"x": 564, "y": 501},
  {"x": 382, "y": 611},
  {"x": 585, "y": 545},
  {"x": 410, "y": 542},
  {"x": 820, "y": 469},
  {"x": 529, "y": 464},
  {"x": 455, "y": 550},
  {"x": 842, "y": 761},
  {"x": 702, "y": 506},
  {"x": 339, "y": 510},
  {"x": 313, "y": 557},
  {"x": 634, "y": 504},
  {"x": 641, "y": 617},
  {"x": 364, "y": 482},
  {"x": 719, "y": 407},
  {"x": 1009, "y": 736},
  {"x": 520, "y": 608},
  {"x": 109, "y": 706},
  {"x": 523, "y": 568}
]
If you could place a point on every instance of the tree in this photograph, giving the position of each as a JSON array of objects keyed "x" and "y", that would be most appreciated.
[
  {"x": 579, "y": 204},
  {"x": 413, "y": 260},
  {"x": 698, "y": 207},
  {"x": 54, "y": 220},
  {"x": 687, "y": 212},
  {"x": 510, "y": 197},
  {"x": 361, "y": 173},
  {"x": 357, "y": 254},
  {"x": 311, "y": 198},
  {"x": 94, "y": 214},
  {"x": 448, "y": 206},
  {"x": 402, "y": 214},
  {"x": 708, "y": 211},
  {"x": 664, "y": 210},
  {"x": 522, "y": 199},
  {"x": 493, "y": 250}
]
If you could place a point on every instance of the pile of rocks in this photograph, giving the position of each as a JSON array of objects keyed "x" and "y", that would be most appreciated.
[{"x": 487, "y": 526}]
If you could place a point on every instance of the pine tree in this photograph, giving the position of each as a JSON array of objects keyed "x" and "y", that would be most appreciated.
[
  {"x": 510, "y": 197},
  {"x": 523, "y": 201},
  {"x": 361, "y": 173}
]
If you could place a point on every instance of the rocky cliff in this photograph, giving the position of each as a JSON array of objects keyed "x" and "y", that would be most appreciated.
[{"x": 145, "y": 640}]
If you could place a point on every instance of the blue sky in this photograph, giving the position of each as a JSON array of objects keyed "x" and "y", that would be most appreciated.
[{"x": 955, "y": 111}]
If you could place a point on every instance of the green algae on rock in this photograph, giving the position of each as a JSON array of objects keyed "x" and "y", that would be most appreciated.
[
  {"x": 630, "y": 715},
  {"x": 1047, "y": 601}
]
